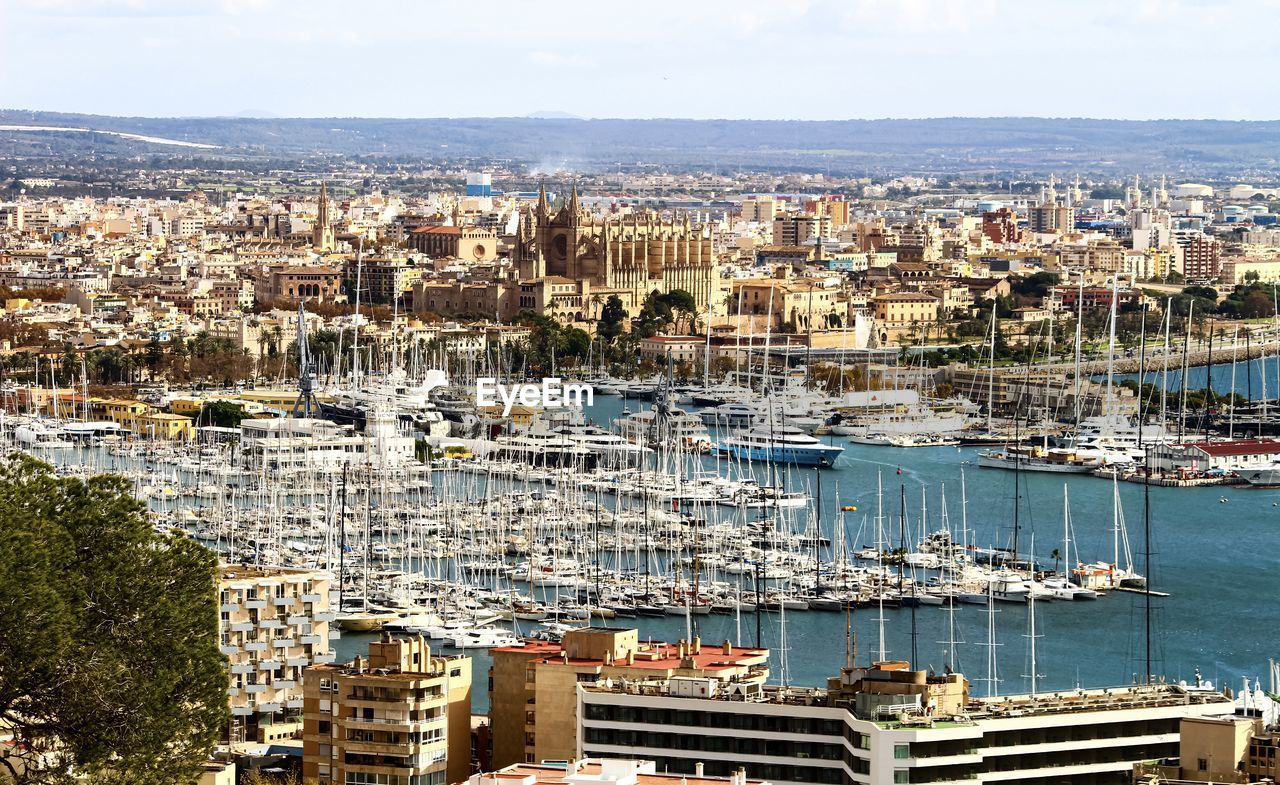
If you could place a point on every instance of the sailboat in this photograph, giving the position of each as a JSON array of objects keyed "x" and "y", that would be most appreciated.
[{"x": 1103, "y": 576}]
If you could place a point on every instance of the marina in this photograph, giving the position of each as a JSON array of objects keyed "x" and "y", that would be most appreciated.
[{"x": 916, "y": 550}]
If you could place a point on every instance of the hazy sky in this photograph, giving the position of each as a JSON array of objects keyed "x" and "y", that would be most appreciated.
[{"x": 807, "y": 59}]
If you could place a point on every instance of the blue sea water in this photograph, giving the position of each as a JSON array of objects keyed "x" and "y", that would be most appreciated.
[{"x": 1213, "y": 550}]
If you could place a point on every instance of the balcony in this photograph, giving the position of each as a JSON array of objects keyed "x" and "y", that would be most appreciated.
[
  {"x": 240, "y": 626},
  {"x": 324, "y": 659},
  {"x": 269, "y": 665},
  {"x": 309, "y": 640},
  {"x": 243, "y": 667},
  {"x": 298, "y": 620},
  {"x": 285, "y": 684},
  {"x": 255, "y": 604},
  {"x": 324, "y": 615},
  {"x": 312, "y": 598},
  {"x": 253, "y": 689},
  {"x": 271, "y": 624},
  {"x": 228, "y": 649},
  {"x": 284, "y": 602},
  {"x": 298, "y": 662},
  {"x": 284, "y": 643},
  {"x": 229, "y": 607},
  {"x": 268, "y": 708},
  {"x": 255, "y": 646}
]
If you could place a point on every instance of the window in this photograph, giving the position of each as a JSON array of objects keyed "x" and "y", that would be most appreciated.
[
  {"x": 902, "y": 751},
  {"x": 1202, "y": 764},
  {"x": 901, "y": 775}
]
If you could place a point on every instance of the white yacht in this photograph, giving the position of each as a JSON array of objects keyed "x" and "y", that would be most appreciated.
[
  {"x": 903, "y": 421},
  {"x": 609, "y": 448},
  {"x": 482, "y": 638},
  {"x": 1062, "y": 460},
  {"x": 42, "y": 435},
  {"x": 731, "y": 414},
  {"x": 411, "y": 405},
  {"x": 673, "y": 427},
  {"x": 780, "y": 444},
  {"x": 1009, "y": 587},
  {"x": 542, "y": 447}
]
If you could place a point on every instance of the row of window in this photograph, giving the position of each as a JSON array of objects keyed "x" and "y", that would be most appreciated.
[
  {"x": 365, "y": 778},
  {"x": 714, "y": 719},
  {"x": 737, "y": 745}
]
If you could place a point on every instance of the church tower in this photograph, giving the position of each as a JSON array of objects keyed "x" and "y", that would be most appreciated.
[{"x": 322, "y": 232}]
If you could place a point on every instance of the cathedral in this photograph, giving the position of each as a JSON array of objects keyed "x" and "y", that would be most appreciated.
[{"x": 629, "y": 257}]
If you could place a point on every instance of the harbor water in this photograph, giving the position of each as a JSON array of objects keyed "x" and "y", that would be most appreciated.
[{"x": 1213, "y": 550}]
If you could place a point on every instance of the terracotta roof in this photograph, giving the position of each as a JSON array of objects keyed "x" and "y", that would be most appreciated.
[
  {"x": 1239, "y": 447},
  {"x": 436, "y": 230},
  {"x": 667, "y": 657}
]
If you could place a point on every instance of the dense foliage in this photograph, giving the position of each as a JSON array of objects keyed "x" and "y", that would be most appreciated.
[{"x": 109, "y": 663}]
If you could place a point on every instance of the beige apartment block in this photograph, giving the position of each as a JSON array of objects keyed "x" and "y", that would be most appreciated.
[
  {"x": 274, "y": 623},
  {"x": 399, "y": 717}
]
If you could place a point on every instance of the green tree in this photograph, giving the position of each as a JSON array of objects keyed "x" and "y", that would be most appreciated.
[
  {"x": 109, "y": 663},
  {"x": 655, "y": 316},
  {"x": 223, "y": 414},
  {"x": 611, "y": 317}
]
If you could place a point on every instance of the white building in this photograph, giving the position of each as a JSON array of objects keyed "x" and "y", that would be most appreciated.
[{"x": 887, "y": 724}]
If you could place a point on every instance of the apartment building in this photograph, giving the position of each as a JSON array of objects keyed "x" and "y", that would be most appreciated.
[
  {"x": 533, "y": 706},
  {"x": 886, "y": 723},
  {"x": 274, "y": 622},
  {"x": 1051, "y": 218},
  {"x": 1197, "y": 256},
  {"x": 398, "y": 717},
  {"x": 800, "y": 228}
]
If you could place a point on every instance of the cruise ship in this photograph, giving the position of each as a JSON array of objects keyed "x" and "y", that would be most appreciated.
[{"x": 780, "y": 444}]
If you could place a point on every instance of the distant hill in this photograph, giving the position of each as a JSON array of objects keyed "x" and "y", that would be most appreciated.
[{"x": 1010, "y": 144}]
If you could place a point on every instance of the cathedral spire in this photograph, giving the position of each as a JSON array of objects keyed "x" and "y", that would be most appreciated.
[
  {"x": 573, "y": 204},
  {"x": 322, "y": 232},
  {"x": 542, "y": 201}
]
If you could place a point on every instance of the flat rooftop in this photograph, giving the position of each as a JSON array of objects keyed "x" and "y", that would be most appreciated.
[
  {"x": 549, "y": 774},
  {"x": 1002, "y": 707},
  {"x": 657, "y": 656}
]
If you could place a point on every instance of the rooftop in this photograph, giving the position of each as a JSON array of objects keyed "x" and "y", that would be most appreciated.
[
  {"x": 620, "y": 772},
  {"x": 650, "y": 656},
  {"x": 1238, "y": 447}
]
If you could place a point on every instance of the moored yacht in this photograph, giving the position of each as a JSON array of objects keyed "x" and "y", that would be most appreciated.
[{"x": 780, "y": 444}]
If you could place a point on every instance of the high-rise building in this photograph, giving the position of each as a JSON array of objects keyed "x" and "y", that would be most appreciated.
[
  {"x": 1000, "y": 226},
  {"x": 274, "y": 622},
  {"x": 887, "y": 724},
  {"x": 1045, "y": 218},
  {"x": 1197, "y": 256},
  {"x": 760, "y": 209},
  {"x": 533, "y": 688},
  {"x": 399, "y": 717},
  {"x": 799, "y": 228}
]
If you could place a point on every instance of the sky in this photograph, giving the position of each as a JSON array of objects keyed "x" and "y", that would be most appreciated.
[{"x": 757, "y": 59}]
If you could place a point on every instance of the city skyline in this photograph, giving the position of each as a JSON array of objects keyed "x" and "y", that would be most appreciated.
[{"x": 718, "y": 60}]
